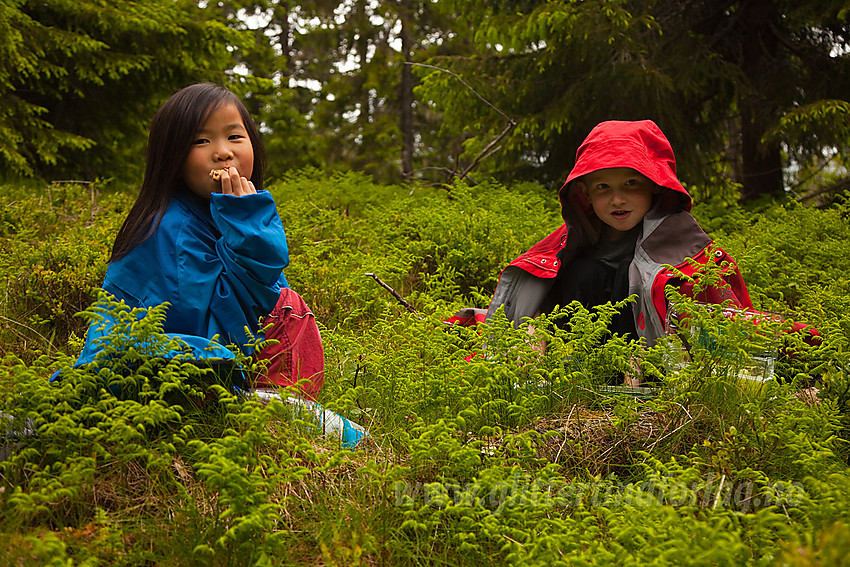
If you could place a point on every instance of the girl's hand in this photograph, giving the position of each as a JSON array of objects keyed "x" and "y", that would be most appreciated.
[{"x": 233, "y": 184}]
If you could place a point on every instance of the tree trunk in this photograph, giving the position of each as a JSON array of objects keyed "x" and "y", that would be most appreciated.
[
  {"x": 284, "y": 38},
  {"x": 406, "y": 97},
  {"x": 761, "y": 164},
  {"x": 362, "y": 48}
]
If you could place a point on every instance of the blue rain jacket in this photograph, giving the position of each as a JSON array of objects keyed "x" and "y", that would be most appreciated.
[{"x": 218, "y": 263}]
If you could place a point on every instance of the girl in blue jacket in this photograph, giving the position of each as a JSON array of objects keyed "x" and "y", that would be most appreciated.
[{"x": 204, "y": 237}]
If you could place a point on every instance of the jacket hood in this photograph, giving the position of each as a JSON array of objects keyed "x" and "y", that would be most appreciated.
[{"x": 639, "y": 145}]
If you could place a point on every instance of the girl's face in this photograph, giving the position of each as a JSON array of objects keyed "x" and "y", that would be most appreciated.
[{"x": 221, "y": 142}]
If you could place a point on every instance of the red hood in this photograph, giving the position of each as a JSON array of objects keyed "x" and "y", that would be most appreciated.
[{"x": 640, "y": 145}]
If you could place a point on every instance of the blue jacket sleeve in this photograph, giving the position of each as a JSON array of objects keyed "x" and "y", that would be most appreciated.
[
  {"x": 232, "y": 285},
  {"x": 253, "y": 243}
]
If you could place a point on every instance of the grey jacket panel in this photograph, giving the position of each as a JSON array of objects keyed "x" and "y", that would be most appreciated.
[
  {"x": 671, "y": 238},
  {"x": 520, "y": 292},
  {"x": 666, "y": 239}
]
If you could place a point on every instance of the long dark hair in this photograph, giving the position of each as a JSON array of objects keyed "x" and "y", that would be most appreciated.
[{"x": 173, "y": 130}]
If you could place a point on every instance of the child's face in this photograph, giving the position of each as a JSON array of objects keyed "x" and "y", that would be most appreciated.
[
  {"x": 221, "y": 142},
  {"x": 620, "y": 197}
]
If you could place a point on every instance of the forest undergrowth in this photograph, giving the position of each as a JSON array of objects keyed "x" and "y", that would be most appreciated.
[{"x": 484, "y": 448}]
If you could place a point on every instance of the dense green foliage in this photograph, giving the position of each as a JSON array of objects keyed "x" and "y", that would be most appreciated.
[{"x": 483, "y": 450}]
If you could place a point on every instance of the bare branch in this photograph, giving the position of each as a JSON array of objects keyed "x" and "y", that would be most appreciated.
[
  {"x": 841, "y": 185},
  {"x": 487, "y": 150},
  {"x": 492, "y": 146},
  {"x": 394, "y": 293},
  {"x": 455, "y": 75}
]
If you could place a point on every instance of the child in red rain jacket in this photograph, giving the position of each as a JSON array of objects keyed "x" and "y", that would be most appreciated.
[{"x": 626, "y": 216}]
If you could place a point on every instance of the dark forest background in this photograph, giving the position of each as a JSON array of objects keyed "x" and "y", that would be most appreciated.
[{"x": 752, "y": 90}]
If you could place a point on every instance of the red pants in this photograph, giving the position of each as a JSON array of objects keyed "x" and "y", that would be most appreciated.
[{"x": 298, "y": 354}]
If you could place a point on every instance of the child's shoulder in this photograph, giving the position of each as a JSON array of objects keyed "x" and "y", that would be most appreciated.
[{"x": 183, "y": 218}]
